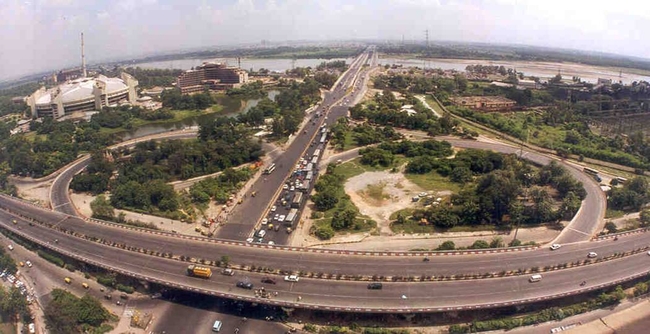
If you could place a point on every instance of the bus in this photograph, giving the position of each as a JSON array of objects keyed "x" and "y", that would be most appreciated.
[
  {"x": 310, "y": 175},
  {"x": 314, "y": 160},
  {"x": 269, "y": 169},
  {"x": 297, "y": 200},
  {"x": 590, "y": 171},
  {"x": 323, "y": 138},
  {"x": 291, "y": 216},
  {"x": 316, "y": 153},
  {"x": 621, "y": 180}
]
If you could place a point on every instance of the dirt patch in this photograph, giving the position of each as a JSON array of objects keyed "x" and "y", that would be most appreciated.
[
  {"x": 379, "y": 194},
  {"x": 38, "y": 192}
]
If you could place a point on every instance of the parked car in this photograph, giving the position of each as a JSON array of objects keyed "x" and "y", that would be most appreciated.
[
  {"x": 28, "y": 263},
  {"x": 228, "y": 272},
  {"x": 592, "y": 255},
  {"x": 11, "y": 247},
  {"x": 555, "y": 246}
]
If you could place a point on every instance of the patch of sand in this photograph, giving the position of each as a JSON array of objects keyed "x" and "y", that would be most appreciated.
[{"x": 379, "y": 194}]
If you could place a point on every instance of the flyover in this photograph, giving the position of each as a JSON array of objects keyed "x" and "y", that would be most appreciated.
[{"x": 92, "y": 242}]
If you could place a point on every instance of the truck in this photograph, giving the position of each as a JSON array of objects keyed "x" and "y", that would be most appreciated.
[{"x": 198, "y": 271}]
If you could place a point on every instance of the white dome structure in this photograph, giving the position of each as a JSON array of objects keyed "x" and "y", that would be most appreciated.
[{"x": 84, "y": 94}]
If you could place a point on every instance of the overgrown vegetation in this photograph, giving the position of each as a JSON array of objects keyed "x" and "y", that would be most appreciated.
[
  {"x": 552, "y": 314},
  {"x": 334, "y": 205},
  {"x": 66, "y": 313}
]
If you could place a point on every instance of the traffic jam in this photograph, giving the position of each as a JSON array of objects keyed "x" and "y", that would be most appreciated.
[{"x": 283, "y": 216}]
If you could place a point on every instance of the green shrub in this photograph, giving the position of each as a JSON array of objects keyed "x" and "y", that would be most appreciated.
[
  {"x": 51, "y": 258},
  {"x": 125, "y": 288}
]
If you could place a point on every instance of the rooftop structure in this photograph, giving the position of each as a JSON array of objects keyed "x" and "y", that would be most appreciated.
[
  {"x": 84, "y": 94},
  {"x": 214, "y": 76}
]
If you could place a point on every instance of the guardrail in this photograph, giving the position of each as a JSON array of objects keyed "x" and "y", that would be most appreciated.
[{"x": 313, "y": 306}]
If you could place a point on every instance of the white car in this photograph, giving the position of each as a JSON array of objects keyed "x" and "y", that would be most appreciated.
[
  {"x": 555, "y": 246},
  {"x": 264, "y": 221},
  {"x": 424, "y": 194},
  {"x": 281, "y": 218},
  {"x": 285, "y": 187},
  {"x": 276, "y": 217},
  {"x": 28, "y": 263},
  {"x": 250, "y": 240},
  {"x": 271, "y": 242},
  {"x": 592, "y": 255},
  {"x": 292, "y": 188},
  {"x": 11, "y": 247},
  {"x": 273, "y": 208},
  {"x": 292, "y": 278}
]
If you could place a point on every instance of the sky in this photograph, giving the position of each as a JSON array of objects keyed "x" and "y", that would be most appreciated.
[{"x": 41, "y": 35}]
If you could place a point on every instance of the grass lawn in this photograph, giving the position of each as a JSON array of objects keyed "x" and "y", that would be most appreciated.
[
  {"x": 354, "y": 167},
  {"x": 412, "y": 227},
  {"x": 433, "y": 181},
  {"x": 611, "y": 213}
]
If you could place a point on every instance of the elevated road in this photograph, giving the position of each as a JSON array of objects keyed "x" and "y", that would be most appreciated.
[
  {"x": 347, "y": 295},
  {"x": 344, "y": 295}
]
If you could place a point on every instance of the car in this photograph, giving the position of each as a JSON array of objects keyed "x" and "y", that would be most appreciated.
[
  {"x": 228, "y": 272},
  {"x": 291, "y": 278},
  {"x": 261, "y": 234},
  {"x": 273, "y": 208},
  {"x": 118, "y": 302},
  {"x": 268, "y": 280},
  {"x": 11, "y": 247},
  {"x": 276, "y": 217},
  {"x": 281, "y": 218},
  {"x": 250, "y": 240},
  {"x": 276, "y": 228},
  {"x": 21, "y": 263},
  {"x": 375, "y": 286},
  {"x": 292, "y": 188},
  {"x": 592, "y": 255},
  {"x": 28, "y": 263},
  {"x": 555, "y": 246},
  {"x": 264, "y": 221},
  {"x": 285, "y": 187},
  {"x": 85, "y": 285},
  {"x": 260, "y": 240},
  {"x": 245, "y": 285},
  {"x": 271, "y": 243},
  {"x": 423, "y": 194},
  {"x": 270, "y": 227}
]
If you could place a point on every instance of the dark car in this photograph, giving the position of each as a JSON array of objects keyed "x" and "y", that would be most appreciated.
[
  {"x": 245, "y": 285},
  {"x": 375, "y": 286},
  {"x": 268, "y": 280}
]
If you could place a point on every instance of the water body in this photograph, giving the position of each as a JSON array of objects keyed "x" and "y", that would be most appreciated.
[
  {"x": 588, "y": 73},
  {"x": 274, "y": 65},
  {"x": 230, "y": 109}
]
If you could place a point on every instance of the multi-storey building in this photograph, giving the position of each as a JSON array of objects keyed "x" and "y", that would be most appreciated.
[{"x": 212, "y": 76}]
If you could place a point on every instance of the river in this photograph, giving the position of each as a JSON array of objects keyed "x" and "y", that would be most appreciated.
[
  {"x": 230, "y": 109},
  {"x": 588, "y": 73}
]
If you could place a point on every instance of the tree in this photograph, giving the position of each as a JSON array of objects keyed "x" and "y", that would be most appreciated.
[
  {"x": 644, "y": 217},
  {"x": 325, "y": 200},
  {"x": 447, "y": 245},
  {"x": 611, "y": 227},
  {"x": 479, "y": 244},
  {"x": 102, "y": 208},
  {"x": 324, "y": 233},
  {"x": 497, "y": 242},
  {"x": 343, "y": 219}
]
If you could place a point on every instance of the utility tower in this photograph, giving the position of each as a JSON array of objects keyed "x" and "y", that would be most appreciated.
[
  {"x": 83, "y": 57},
  {"x": 426, "y": 34}
]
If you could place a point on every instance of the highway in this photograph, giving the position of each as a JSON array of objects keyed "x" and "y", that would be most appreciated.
[
  {"x": 346, "y": 295},
  {"x": 244, "y": 218},
  {"x": 343, "y": 294}
]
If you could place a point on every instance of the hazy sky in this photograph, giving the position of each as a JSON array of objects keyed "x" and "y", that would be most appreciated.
[{"x": 37, "y": 35}]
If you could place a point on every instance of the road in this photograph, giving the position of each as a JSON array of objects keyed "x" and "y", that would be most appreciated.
[
  {"x": 244, "y": 218},
  {"x": 340, "y": 294}
]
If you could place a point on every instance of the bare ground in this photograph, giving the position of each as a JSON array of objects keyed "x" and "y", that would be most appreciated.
[{"x": 379, "y": 194}]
